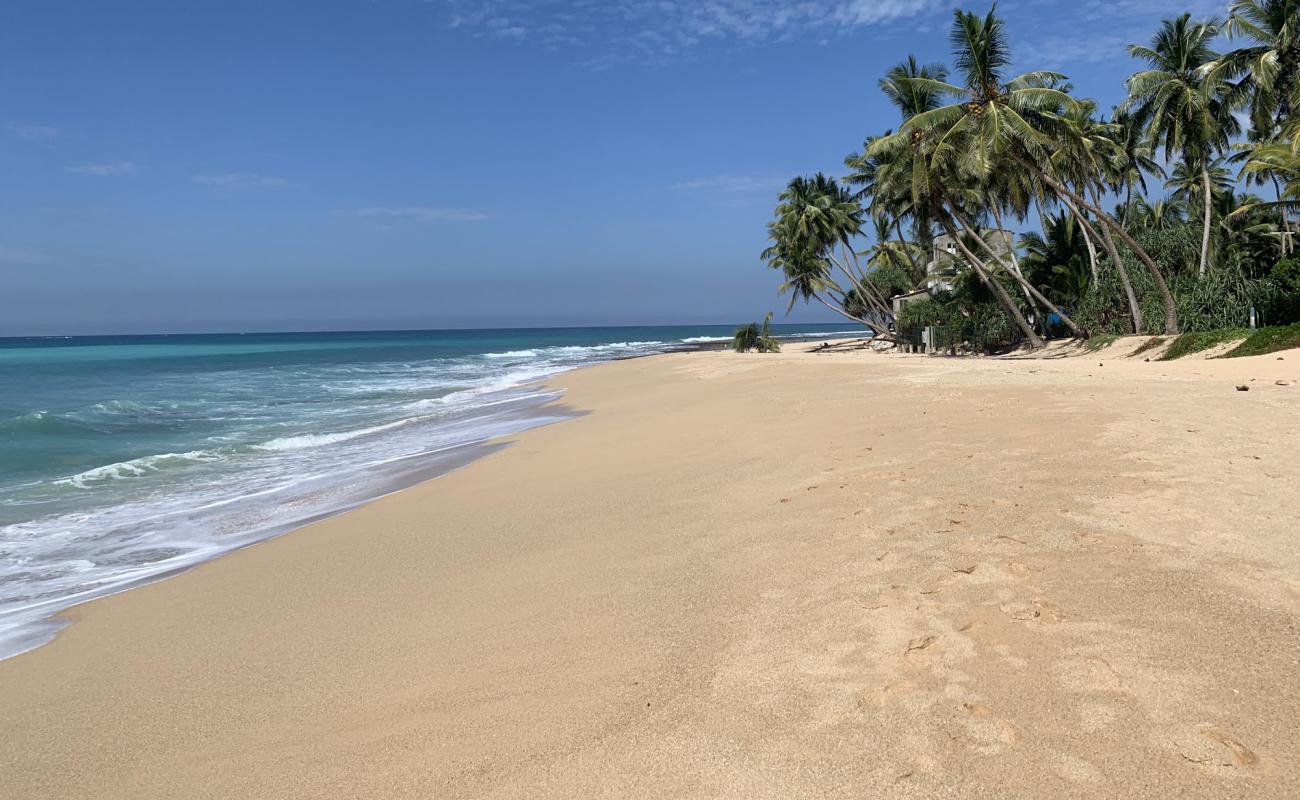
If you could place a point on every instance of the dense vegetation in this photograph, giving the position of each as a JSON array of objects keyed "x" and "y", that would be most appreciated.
[
  {"x": 1268, "y": 340},
  {"x": 1143, "y": 220},
  {"x": 751, "y": 337}
]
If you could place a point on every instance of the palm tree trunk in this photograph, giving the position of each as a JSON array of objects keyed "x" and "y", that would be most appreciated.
[
  {"x": 1008, "y": 305},
  {"x": 1092, "y": 248},
  {"x": 1287, "y": 243},
  {"x": 1015, "y": 262},
  {"x": 1205, "y": 228},
  {"x": 866, "y": 292},
  {"x": 1134, "y": 308},
  {"x": 875, "y": 329},
  {"x": 918, "y": 273},
  {"x": 1166, "y": 297},
  {"x": 1031, "y": 291}
]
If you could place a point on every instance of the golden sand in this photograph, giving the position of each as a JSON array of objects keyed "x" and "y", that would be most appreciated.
[{"x": 744, "y": 576}]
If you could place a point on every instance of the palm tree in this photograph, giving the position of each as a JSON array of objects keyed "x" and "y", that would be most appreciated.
[
  {"x": 892, "y": 207},
  {"x": 909, "y": 95},
  {"x": 1281, "y": 160},
  {"x": 966, "y": 141},
  {"x": 1187, "y": 181},
  {"x": 1177, "y": 101},
  {"x": 888, "y": 252},
  {"x": 1057, "y": 259},
  {"x": 814, "y": 217},
  {"x": 1268, "y": 68},
  {"x": 1093, "y": 160},
  {"x": 1136, "y": 162},
  {"x": 1162, "y": 215}
]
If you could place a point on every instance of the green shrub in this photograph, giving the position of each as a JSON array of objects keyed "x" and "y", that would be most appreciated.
[
  {"x": 748, "y": 337},
  {"x": 1197, "y": 341},
  {"x": 1267, "y": 340},
  {"x": 1286, "y": 276},
  {"x": 745, "y": 338},
  {"x": 1149, "y": 344},
  {"x": 1098, "y": 342}
]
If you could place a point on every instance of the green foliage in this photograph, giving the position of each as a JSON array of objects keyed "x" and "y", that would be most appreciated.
[
  {"x": 749, "y": 337},
  {"x": 890, "y": 280},
  {"x": 960, "y": 324},
  {"x": 745, "y": 338},
  {"x": 1222, "y": 299},
  {"x": 924, "y": 312},
  {"x": 1267, "y": 340},
  {"x": 1096, "y": 343},
  {"x": 1197, "y": 341},
  {"x": 1147, "y": 346},
  {"x": 767, "y": 343},
  {"x": 1286, "y": 276}
]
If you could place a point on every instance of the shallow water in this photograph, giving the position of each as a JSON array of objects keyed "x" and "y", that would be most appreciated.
[{"x": 124, "y": 459}]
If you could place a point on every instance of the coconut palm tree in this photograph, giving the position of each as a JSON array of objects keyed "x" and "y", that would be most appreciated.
[
  {"x": 989, "y": 113},
  {"x": 904, "y": 173},
  {"x": 1186, "y": 181},
  {"x": 888, "y": 252},
  {"x": 1094, "y": 161},
  {"x": 910, "y": 95},
  {"x": 1268, "y": 69},
  {"x": 893, "y": 207},
  {"x": 967, "y": 141},
  {"x": 1057, "y": 259},
  {"x": 1177, "y": 100},
  {"x": 816, "y": 216},
  {"x": 1136, "y": 162},
  {"x": 1163, "y": 215}
]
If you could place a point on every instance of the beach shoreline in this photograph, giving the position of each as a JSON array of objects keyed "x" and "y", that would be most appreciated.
[{"x": 738, "y": 575}]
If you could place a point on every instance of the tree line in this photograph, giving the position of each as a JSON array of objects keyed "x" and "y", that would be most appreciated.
[{"x": 1147, "y": 222}]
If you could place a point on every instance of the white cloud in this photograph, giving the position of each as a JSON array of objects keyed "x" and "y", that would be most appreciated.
[
  {"x": 649, "y": 29},
  {"x": 104, "y": 170},
  {"x": 241, "y": 180},
  {"x": 420, "y": 214},
  {"x": 33, "y": 133},
  {"x": 735, "y": 184}
]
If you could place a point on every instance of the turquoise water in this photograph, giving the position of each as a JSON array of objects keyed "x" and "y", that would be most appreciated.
[{"x": 126, "y": 458}]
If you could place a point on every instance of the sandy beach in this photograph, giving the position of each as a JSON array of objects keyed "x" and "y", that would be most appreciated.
[{"x": 747, "y": 576}]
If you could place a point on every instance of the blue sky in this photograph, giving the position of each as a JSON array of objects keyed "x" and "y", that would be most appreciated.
[{"x": 186, "y": 166}]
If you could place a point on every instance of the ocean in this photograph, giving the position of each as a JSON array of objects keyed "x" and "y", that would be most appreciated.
[{"x": 124, "y": 459}]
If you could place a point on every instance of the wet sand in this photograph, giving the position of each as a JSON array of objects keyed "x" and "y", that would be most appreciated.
[{"x": 798, "y": 575}]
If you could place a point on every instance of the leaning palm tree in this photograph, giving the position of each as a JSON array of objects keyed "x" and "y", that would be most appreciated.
[
  {"x": 898, "y": 253},
  {"x": 815, "y": 217},
  {"x": 1177, "y": 100},
  {"x": 904, "y": 173},
  {"x": 1094, "y": 161},
  {"x": 1280, "y": 159},
  {"x": 1267, "y": 70},
  {"x": 864, "y": 171},
  {"x": 967, "y": 141}
]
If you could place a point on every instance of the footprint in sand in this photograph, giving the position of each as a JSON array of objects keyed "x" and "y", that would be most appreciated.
[
  {"x": 920, "y": 643},
  {"x": 1212, "y": 746},
  {"x": 992, "y": 733},
  {"x": 1042, "y": 611}
]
